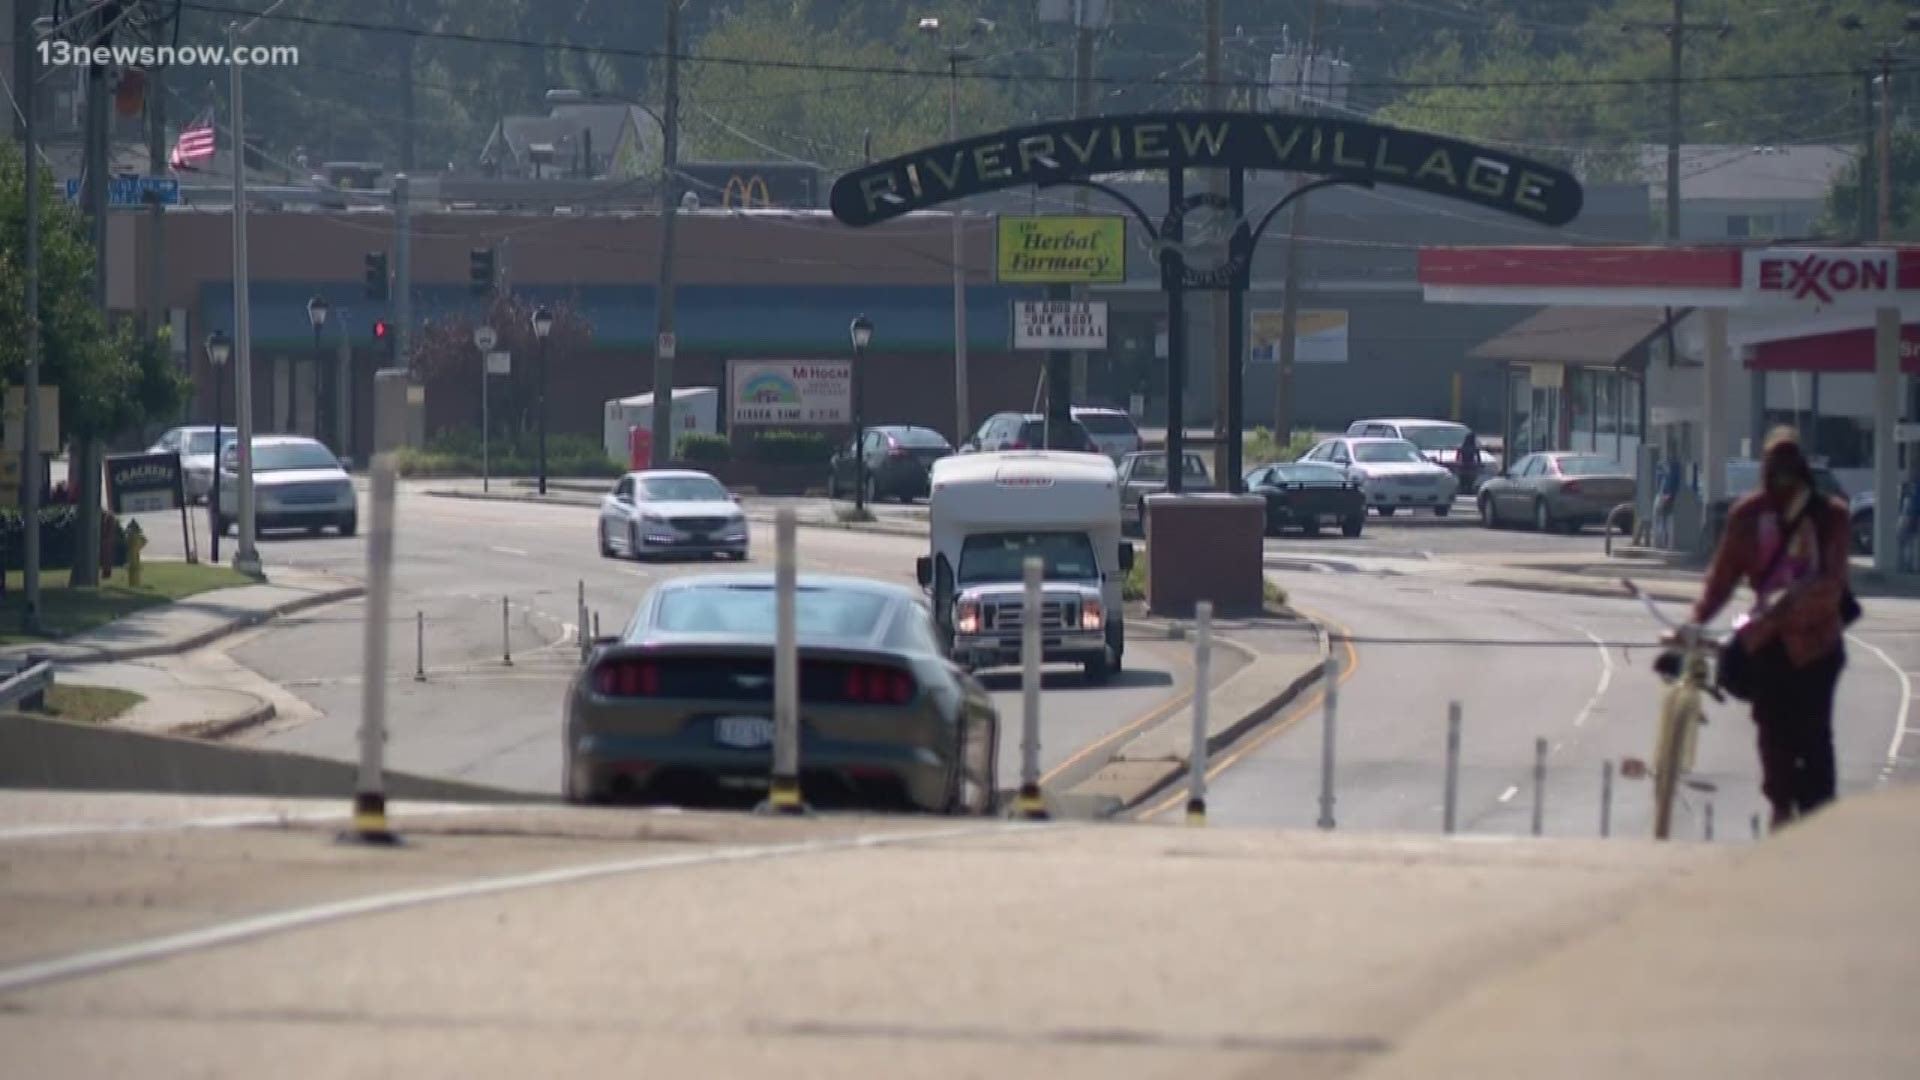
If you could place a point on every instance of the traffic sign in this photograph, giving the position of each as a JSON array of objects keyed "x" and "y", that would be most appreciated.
[
  {"x": 133, "y": 191},
  {"x": 500, "y": 363},
  {"x": 485, "y": 337},
  {"x": 664, "y": 345}
]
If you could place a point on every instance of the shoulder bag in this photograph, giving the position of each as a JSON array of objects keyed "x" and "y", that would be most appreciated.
[{"x": 1736, "y": 673}]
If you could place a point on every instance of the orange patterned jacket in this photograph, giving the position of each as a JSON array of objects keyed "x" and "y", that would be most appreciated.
[{"x": 1805, "y": 617}]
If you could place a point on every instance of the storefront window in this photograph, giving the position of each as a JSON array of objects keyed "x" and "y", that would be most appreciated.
[
  {"x": 1606, "y": 401},
  {"x": 1631, "y": 389},
  {"x": 1580, "y": 407}
]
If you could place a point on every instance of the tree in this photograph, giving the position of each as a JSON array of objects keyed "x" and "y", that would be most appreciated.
[
  {"x": 445, "y": 348},
  {"x": 110, "y": 379},
  {"x": 1843, "y": 212}
]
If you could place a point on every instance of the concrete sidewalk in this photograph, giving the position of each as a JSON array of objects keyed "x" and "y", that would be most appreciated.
[{"x": 196, "y": 621}]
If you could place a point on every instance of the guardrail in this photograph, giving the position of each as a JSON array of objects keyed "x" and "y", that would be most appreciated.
[{"x": 27, "y": 686}]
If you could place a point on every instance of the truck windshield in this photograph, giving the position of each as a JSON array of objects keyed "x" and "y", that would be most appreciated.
[{"x": 1002, "y": 556}]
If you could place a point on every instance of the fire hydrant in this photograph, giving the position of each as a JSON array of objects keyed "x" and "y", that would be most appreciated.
[{"x": 136, "y": 542}]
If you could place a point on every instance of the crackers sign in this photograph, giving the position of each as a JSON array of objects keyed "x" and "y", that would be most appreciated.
[
  {"x": 144, "y": 483},
  {"x": 1061, "y": 251},
  {"x": 1059, "y": 324},
  {"x": 780, "y": 392}
]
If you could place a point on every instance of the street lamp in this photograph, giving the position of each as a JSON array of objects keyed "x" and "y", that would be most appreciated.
[
  {"x": 484, "y": 339},
  {"x": 861, "y": 330},
  {"x": 219, "y": 350},
  {"x": 663, "y": 337},
  {"x": 317, "y": 309},
  {"x": 542, "y": 326}
]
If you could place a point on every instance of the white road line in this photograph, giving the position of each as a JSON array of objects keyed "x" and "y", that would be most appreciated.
[
  {"x": 1507, "y": 795},
  {"x": 1606, "y": 677},
  {"x": 509, "y": 551},
  {"x": 1906, "y": 702},
  {"x": 96, "y": 961}
]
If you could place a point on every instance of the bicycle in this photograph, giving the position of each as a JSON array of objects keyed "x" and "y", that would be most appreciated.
[{"x": 1686, "y": 666}]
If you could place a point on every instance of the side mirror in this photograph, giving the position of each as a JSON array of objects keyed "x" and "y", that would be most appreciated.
[
  {"x": 606, "y": 642},
  {"x": 346, "y": 464},
  {"x": 923, "y": 569},
  {"x": 1126, "y": 556},
  {"x": 733, "y": 496}
]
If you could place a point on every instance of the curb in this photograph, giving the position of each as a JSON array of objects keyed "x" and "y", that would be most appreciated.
[
  {"x": 214, "y": 730},
  {"x": 1597, "y": 591},
  {"x": 1176, "y": 774},
  {"x": 205, "y": 637}
]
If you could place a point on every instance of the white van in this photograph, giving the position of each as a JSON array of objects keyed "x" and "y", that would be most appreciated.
[
  {"x": 988, "y": 513},
  {"x": 1112, "y": 430}
]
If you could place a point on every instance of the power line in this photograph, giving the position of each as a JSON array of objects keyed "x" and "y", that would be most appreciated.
[{"x": 468, "y": 38}]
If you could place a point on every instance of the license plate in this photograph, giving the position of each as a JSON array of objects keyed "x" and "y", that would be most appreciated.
[{"x": 743, "y": 732}]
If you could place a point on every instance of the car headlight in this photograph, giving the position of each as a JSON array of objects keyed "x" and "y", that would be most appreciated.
[
  {"x": 966, "y": 617},
  {"x": 1092, "y": 615}
]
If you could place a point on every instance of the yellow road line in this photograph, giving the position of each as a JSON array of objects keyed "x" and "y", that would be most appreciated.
[{"x": 1272, "y": 731}]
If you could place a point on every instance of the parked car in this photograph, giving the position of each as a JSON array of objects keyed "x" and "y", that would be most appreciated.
[
  {"x": 898, "y": 459},
  {"x": 1557, "y": 490},
  {"x": 195, "y": 446},
  {"x": 671, "y": 512},
  {"x": 1112, "y": 430},
  {"x": 1392, "y": 472},
  {"x": 680, "y": 703},
  {"x": 1438, "y": 440},
  {"x": 1145, "y": 473},
  {"x": 297, "y": 484},
  {"x": 1024, "y": 431},
  {"x": 1308, "y": 494}
]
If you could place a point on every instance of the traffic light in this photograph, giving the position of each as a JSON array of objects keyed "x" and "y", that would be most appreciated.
[
  {"x": 480, "y": 270},
  {"x": 376, "y": 275},
  {"x": 383, "y": 337}
]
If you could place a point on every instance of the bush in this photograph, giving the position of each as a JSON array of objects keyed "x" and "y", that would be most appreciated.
[
  {"x": 457, "y": 453},
  {"x": 1134, "y": 586},
  {"x": 1260, "y": 448},
  {"x": 59, "y": 537},
  {"x": 790, "y": 448},
  {"x": 701, "y": 446}
]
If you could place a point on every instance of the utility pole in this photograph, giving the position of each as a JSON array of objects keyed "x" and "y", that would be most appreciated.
[
  {"x": 664, "y": 345},
  {"x": 156, "y": 215},
  {"x": 1217, "y": 300},
  {"x": 1869, "y": 167},
  {"x": 407, "y": 125},
  {"x": 26, "y": 77},
  {"x": 1082, "y": 107},
  {"x": 84, "y": 463},
  {"x": 1676, "y": 30},
  {"x": 1290, "y": 287},
  {"x": 246, "y": 555},
  {"x": 1883, "y": 216},
  {"x": 963, "y": 422}
]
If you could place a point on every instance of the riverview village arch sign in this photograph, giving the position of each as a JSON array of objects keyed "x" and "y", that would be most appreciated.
[{"x": 1205, "y": 242}]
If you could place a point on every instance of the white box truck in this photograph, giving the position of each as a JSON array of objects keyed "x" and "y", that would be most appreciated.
[{"x": 695, "y": 409}]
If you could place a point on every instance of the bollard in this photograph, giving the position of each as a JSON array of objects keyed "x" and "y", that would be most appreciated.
[
  {"x": 1606, "y": 798},
  {"x": 1028, "y": 804},
  {"x": 506, "y": 634},
  {"x": 596, "y": 626},
  {"x": 1450, "y": 808},
  {"x": 783, "y": 794},
  {"x": 1706, "y": 822},
  {"x": 1539, "y": 786},
  {"x": 419, "y": 646},
  {"x": 1330, "y": 676},
  {"x": 580, "y": 631},
  {"x": 1197, "y": 758},
  {"x": 369, "y": 797},
  {"x": 1756, "y": 826}
]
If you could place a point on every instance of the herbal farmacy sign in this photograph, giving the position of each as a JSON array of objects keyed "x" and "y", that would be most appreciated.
[{"x": 1062, "y": 250}]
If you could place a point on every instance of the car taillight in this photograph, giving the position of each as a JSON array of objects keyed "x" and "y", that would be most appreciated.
[
  {"x": 1092, "y": 615},
  {"x": 868, "y": 684},
  {"x": 966, "y": 617},
  {"x": 626, "y": 678},
  {"x": 897, "y": 451},
  {"x": 1016, "y": 445},
  {"x": 1572, "y": 488}
]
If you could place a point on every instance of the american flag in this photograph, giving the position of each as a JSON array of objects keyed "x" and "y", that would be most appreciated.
[{"x": 195, "y": 143}]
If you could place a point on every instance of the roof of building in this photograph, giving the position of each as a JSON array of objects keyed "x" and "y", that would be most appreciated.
[
  {"x": 564, "y": 128},
  {"x": 1593, "y": 337},
  {"x": 1748, "y": 172}
]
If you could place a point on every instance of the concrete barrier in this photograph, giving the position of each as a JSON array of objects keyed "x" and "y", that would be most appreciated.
[{"x": 42, "y": 753}]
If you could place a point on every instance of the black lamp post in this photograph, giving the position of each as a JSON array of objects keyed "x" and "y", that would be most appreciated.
[
  {"x": 317, "y": 310},
  {"x": 542, "y": 325},
  {"x": 219, "y": 350},
  {"x": 862, "y": 332}
]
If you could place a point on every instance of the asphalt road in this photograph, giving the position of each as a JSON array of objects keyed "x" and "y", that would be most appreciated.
[
  {"x": 1525, "y": 666},
  {"x": 476, "y": 718}
]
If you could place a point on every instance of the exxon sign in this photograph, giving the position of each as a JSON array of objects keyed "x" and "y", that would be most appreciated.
[{"x": 1821, "y": 277}]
